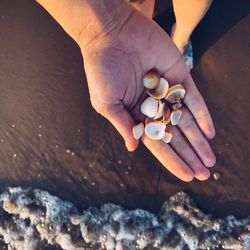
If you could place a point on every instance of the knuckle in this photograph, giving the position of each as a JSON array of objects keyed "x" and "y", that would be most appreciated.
[
  {"x": 201, "y": 144},
  {"x": 186, "y": 122}
]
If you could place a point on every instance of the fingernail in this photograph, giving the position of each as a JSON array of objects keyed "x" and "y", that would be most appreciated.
[
  {"x": 188, "y": 178},
  {"x": 202, "y": 175},
  {"x": 211, "y": 132}
]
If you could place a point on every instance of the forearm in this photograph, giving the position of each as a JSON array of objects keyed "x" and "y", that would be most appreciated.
[{"x": 84, "y": 20}]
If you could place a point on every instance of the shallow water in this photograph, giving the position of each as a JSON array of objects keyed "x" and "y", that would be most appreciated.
[{"x": 33, "y": 219}]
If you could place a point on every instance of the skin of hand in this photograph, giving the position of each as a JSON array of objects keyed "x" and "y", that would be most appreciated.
[
  {"x": 115, "y": 64},
  {"x": 119, "y": 45}
]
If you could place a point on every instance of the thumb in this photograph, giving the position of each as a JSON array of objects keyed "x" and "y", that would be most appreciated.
[{"x": 122, "y": 121}]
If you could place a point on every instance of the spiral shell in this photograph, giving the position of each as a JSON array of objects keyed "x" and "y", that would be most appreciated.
[
  {"x": 138, "y": 130},
  {"x": 175, "y": 93},
  {"x": 151, "y": 79},
  {"x": 150, "y": 107},
  {"x": 175, "y": 116},
  {"x": 161, "y": 90},
  {"x": 155, "y": 130}
]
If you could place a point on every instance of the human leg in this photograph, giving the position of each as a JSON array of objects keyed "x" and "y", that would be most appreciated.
[{"x": 188, "y": 14}]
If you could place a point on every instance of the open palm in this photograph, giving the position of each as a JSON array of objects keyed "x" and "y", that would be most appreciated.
[{"x": 115, "y": 65}]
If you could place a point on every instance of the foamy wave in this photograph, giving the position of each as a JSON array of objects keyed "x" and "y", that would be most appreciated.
[{"x": 32, "y": 219}]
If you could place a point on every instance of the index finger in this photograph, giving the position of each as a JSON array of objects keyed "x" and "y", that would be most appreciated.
[{"x": 196, "y": 104}]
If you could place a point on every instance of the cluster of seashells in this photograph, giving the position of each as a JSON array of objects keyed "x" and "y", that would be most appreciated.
[{"x": 161, "y": 107}]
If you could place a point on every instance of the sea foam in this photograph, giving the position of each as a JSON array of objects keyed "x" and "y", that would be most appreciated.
[{"x": 32, "y": 219}]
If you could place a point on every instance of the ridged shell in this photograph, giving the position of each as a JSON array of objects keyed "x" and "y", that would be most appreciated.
[
  {"x": 155, "y": 130},
  {"x": 167, "y": 137},
  {"x": 138, "y": 130},
  {"x": 175, "y": 116},
  {"x": 160, "y": 111},
  {"x": 175, "y": 93},
  {"x": 150, "y": 107},
  {"x": 151, "y": 79},
  {"x": 160, "y": 91}
]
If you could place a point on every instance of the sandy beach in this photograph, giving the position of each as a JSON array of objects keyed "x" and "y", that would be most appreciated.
[{"x": 52, "y": 139}]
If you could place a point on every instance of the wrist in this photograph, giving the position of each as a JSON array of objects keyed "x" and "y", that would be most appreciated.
[
  {"x": 86, "y": 20},
  {"x": 107, "y": 19}
]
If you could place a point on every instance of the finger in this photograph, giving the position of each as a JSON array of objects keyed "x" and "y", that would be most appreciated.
[
  {"x": 184, "y": 150},
  {"x": 179, "y": 73},
  {"x": 170, "y": 160},
  {"x": 123, "y": 122},
  {"x": 198, "y": 108},
  {"x": 189, "y": 128}
]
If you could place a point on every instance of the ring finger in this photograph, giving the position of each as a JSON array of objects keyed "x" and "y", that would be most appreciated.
[{"x": 184, "y": 150}]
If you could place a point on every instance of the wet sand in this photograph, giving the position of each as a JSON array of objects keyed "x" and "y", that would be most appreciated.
[{"x": 51, "y": 138}]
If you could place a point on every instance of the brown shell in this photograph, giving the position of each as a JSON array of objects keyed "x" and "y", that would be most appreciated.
[
  {"x": 166, "y": 116},
  {"x": 160, "y": 91},
  {"x": 151, "y": 79},
  {"x": 175, "y": 93}
]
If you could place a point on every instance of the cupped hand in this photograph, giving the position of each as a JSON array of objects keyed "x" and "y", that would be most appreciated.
[{"x": 115, "y": 64}]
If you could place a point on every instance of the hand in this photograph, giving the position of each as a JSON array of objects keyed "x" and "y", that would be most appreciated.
[{"x": 115, "y": 63}]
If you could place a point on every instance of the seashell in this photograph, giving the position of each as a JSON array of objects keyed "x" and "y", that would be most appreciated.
[
  {"x": 175, "y": 116},
  {"x": 160, "y": 111},
  {"x": 167, "y": 137},
  {"x": 166, "y": 116},
  {"x": 138, "y": 130},
  {"x": 160, "y": 91},
  {"x": 177, "y": 105},
  {"x": 150, "y": 107},
  {"x": 155, "y": 130},
  {"x": 175, "y": 93},
  {"x": 151, "y": 79}
]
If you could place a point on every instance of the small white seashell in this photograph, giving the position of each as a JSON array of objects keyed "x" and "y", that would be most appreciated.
[
  {"x": 155, "y": 130},
  {"x": 160, "y": 91},
  {"x": 138, "y": 130},
  {"x": 167, "y": 137},
  {"x": 160, "y": 111},
  {"x": 177, "y": 105},
  {"x": 175, "y": 93},
  {"x": 175, "y": 116},
  {"x": 150, "y": 107},
  {"x": 151, "y": 79},
  {"x": 216, "y": 176}
]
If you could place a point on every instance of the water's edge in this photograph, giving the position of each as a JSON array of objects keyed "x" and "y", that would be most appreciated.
[{"x": 34, "y": 219}]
